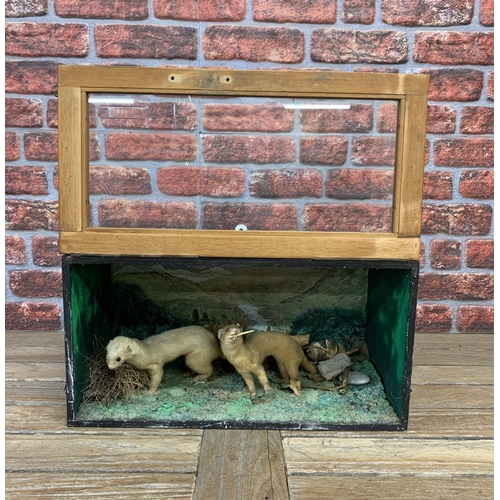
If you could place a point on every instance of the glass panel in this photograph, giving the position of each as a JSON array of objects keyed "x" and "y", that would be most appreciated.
[{"x": 256, "y": 163}]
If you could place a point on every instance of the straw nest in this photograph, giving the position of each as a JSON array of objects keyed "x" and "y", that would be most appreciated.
[{"x": 108, "y": 385}]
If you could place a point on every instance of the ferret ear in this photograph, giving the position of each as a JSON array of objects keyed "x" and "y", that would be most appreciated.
[
  {"x": 238, "y": 325},
  {"x": 128, "y": 350}
]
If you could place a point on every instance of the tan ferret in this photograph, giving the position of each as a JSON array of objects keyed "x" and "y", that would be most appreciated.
[
  {"x": 195, "y": 342},
  {"x": 247, "y": 357}
]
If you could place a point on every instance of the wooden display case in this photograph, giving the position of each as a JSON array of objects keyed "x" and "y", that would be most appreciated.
[{"x": 95, "y": 250}]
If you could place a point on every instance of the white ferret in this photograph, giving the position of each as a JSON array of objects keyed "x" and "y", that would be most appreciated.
[{"x": 196, "y": 343}]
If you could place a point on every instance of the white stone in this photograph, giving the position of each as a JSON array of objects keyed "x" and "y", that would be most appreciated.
[{"x": 357, "y": 378}]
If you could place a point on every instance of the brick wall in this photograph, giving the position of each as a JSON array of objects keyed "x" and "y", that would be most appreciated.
[{"x": 450, "y": 40}]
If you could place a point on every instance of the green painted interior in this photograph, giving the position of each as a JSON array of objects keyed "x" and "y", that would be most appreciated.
[
  {"x": 91, "y": 318},
  {"x": 386, "y": 328}
]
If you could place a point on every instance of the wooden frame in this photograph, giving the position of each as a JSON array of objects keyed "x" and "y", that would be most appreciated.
[{"x": 77, "y": 237}]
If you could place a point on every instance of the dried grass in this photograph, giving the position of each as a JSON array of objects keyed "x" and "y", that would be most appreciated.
[{"x": 108, "y": 385}]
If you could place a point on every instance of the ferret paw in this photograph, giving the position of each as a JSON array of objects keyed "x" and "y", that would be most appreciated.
[{"x": 152, "y": 391}]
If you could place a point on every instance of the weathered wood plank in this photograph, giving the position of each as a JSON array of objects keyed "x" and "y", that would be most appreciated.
[
  {"x": 451, "y": 396},
  {"x": 382, "y": 488},
  {"x": 45, "y": 347},
  {"x": 34, "y": 392},
  {"x": 28, "y": 419},
  {"x": 380, "y": 456},
  {"x": 46, "y": 486},
  {"x": 455, "y": 341},
  {"x": 434, "y": 357},
  {"x": 461, "y": 375},
  {"x": 240, "y": 464},
  {"x": 98, "y": 453},
  {"x": 423, "y": 423},
  {"x": 35, "y": 371}
]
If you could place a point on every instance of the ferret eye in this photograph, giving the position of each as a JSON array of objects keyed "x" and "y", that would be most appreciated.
[
  {"x": 118, "y": 359},
  {"x": 227, "y": 329}
]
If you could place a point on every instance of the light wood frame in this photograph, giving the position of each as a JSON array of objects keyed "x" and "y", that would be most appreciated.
[{"x": 77, "y": 237}]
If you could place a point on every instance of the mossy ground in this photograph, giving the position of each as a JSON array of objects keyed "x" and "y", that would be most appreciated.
[{"x": 226, "y": 399}]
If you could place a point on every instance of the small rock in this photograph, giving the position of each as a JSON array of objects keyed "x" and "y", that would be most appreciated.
[
  {"x": 356, "y": 378},
  {"x": 334, "y": 366}
]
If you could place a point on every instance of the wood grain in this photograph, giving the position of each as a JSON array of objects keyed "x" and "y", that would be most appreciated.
[
  {"x": 244, "y": 464},
  {"x": 49, "y": 486},
  {"x": 382, "y": 488},
  {"x": 96, "y": 453}
]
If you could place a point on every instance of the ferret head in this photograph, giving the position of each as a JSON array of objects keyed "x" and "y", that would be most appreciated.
[
  {"x": 118, "y": 351},
  {"x": 229, "y": 332}
]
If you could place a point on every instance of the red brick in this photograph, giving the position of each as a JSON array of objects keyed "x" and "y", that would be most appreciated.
[
  {"x": 452, "y": 47},
  {"x": 359, "y": 184},
  {"x": 427, "y": 12},
  {"x": 200, "y": 10},
  {"x": 357, "y": 217},
  {"x": 31, "y": 214},
  {"x": 441, "y": 120},
  {"x": 486, "y": 16},
  {"x": 205, "y": 181},
  {"x": 15, "y": 250},
  {"x": 150, "y": 116},
  {"x": 103, "y": 9},
  {"x": 45, "y": 251},
  {"x": 41, "y": 146},
  {"x": 475, "y": 319},
  {"x": 22, "y": 8},
  {"x": 479, "y": 254},
  {"x": 446, "y": 254},
  {"x": 119, "y": 180},
  {"x": 137, "y": 146},
  {"x": 456, "y": 219},
  {"x": 387, "y": 121},
  {"x": 326, "y": 150},
  {"x": 36, "y": 283},
  {"x": 438, "y": 185},
  {"x": 248, "y": 43},
  {"x": 144, "y": 214},
  {"x": 357, "y": 119},
  {"x": 455, "y": 84},
  {"x": 358, "y": 11},
  {"x": 477, "y": 120},
  {"x": 31, "y": 77},
  {"x": 490, "y": 90},
  {"x": 32, "y": 316},
  {"x": 433, "y": 318},
  {"x": 26, "y": 180},
  {"x": 375, "y": 151},
  {"x": 477, "y": 184},
  {"x": 247, "y": 118},
  {"x": 456, "y": 286},
  {"x": 12, "y": 146},
  {"x": 247, "y": 149},
  {"x": 256, "y": 216},
  {"x": 156, "y": 42},
  {"x": 333, "y": 45},
  {"x": 23, "y": 112},
  {"x": 290, "y": 183},
  {"x": 464, "y": 152},
  {"x": 295, "y": 11},
  {"x": 46, "y": 39},
  {"x": 422, "y": 255}
]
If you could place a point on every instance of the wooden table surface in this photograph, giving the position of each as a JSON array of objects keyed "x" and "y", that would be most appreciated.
[{"x": 447, "y": 451}]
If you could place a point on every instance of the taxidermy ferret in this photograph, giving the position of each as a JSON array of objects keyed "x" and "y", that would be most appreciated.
[
  {"x": 247, "y": 357},
  {"x": 197, "y": 344}
]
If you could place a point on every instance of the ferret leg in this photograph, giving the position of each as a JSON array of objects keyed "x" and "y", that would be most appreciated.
[
  {"x": 156, "y": 374},
  {"x": 199, "y": 364},
  {"x": 248, "y": 378},
  {"x": 283, "y": 371},
  {"x": 308, "y": 366},
  {"x": 261, "y": 375},
  {"x": 295, "y": 386}
]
